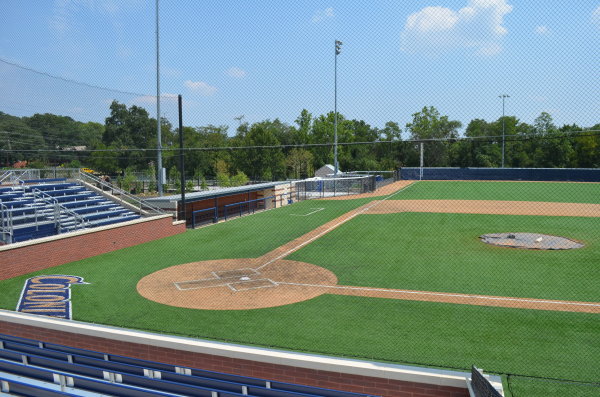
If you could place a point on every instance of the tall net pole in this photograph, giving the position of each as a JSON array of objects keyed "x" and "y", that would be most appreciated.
[{"x": 159, "y": 175}]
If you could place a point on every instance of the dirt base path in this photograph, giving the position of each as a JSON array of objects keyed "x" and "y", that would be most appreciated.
[
  {"x": 382, "y": 191},
  {"x": 269, "y": 280},
  {"x": 488, "y": 207}
]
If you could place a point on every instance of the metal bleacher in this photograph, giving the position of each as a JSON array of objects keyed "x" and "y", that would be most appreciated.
[
  {"x": 33, "y": 368},
  {"x": 36, "y": 208}
]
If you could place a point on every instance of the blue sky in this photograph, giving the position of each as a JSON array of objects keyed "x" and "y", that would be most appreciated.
[{"x": 270, "y": 59}]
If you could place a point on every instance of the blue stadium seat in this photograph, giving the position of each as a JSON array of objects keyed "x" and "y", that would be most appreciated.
[
  {"x": 93, "y": 200},
  {"x": 49, "y": 186},
  {"x": 14, "y": 386},
  {"x": 27, "y": 181},
  {"x": 134, "y": 373}
]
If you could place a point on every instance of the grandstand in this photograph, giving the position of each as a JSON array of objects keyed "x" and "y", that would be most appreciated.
[
  {"x": 36, "y": 208},
  {"x": 34, "y": 368}
]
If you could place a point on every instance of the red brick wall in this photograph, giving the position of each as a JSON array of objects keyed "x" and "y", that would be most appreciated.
[
  {"x": 34, "y": 257},
  {"x": 310, "y": 377}
]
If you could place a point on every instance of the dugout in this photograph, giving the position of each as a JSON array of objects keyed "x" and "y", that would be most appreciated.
[{"x": 210, "y": 206}]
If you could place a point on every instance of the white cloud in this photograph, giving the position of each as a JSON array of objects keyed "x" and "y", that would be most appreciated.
[
  {"x": 200, "y": 87},
  {"x": 151, "y": 99},
  {"x": 596, "y": 16},
  {"x": 432, "y": 19},
  {"x": 236, "y": 73},
  {"x": 542, "y": 30},
  {"x": 321, "y": 15},
  {"x": 477, "y": 26}
]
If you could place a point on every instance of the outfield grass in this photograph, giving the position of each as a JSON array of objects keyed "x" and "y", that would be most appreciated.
[
  {"x": 442, "y": 252},
  {"x": 412, "y": 251},
  {"x": 517, "y": 191}
]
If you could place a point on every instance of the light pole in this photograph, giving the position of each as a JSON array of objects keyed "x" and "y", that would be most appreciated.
[
  {"x": 338, "y": 50},
  {"x": 159, "y": 175},
  {"x": 503, "y": 96}
]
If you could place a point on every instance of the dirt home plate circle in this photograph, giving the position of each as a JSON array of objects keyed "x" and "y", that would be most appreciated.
[{"x": 235, "y": 284}]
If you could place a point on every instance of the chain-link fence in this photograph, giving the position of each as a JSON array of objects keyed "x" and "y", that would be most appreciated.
[{"x": 446, "y": 122}]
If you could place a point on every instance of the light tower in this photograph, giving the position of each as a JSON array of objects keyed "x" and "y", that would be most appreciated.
[{"x": 338, "y": 50}]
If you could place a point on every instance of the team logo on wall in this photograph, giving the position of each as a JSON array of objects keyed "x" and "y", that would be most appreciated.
[{"x": 48, "y": 295}]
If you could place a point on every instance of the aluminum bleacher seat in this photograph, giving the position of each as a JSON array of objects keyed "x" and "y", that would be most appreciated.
[
  {"x": 100, "y": 372},
  {"x": 18, "y": 203},
  {"x": 27, "y": 231},
  {"x": 94, "y": 208},
  {"x": 49, "y": 186},
  {"x": 91, "y": 201},
  {"x": 29, "y": 212},
  {"x": 74, "y": 197},
  {"x": 65, "y": 192},
  {"x": 19, "y": 386},
  {"x": 110, "y": 221}
]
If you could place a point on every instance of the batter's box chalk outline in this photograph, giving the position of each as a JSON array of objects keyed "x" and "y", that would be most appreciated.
[
  {"x": 252, "y": 284},
  {"x": 310, "y": 213},
  {"x": 213, "y": 282},
  {"x": 243, "y": 272}
]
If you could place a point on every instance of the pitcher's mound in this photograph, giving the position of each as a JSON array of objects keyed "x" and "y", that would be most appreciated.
[
  {"x": 530, "y": 241},
  {"x": 235, "y": 284}
]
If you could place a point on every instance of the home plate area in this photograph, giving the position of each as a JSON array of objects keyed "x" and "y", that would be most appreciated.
[
  {"x": 237, "y": 280},
  {"x": 236, "y": 284}
]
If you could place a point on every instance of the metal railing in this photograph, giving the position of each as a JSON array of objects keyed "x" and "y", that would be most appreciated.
[
  {"x": 6, "y": 230},
  {"x": 17, "y": 176},
  {"x": 129, "y": 200},
  {"x": 59, "y": 210}
]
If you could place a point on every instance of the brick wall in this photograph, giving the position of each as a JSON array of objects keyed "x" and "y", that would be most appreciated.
[
  {"x": 334, "y": 380},
  {"x": 23, "y": 258}
]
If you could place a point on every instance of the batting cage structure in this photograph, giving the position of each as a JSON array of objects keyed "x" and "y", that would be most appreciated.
[{"x": 333, "y": 187}]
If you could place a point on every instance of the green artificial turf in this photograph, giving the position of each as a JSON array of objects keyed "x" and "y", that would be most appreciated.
[
  {"x": 510, "y": 191},
  {"x": 408, "y": 250},
  {"x": 443, "y": 252},
  {"x": 529, "y": 387}
]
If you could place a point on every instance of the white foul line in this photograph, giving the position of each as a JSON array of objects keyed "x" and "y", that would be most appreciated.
[
  {"x": 296, "y": 248},
  {"x": 310, "y": 213},
  {"x": 499, "y": 298}
]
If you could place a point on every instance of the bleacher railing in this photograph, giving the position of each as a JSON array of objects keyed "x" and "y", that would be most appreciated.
[
  {"x": 17, "y": 176},
  {"x": 131, "y": 201},
  {"x": 59, "y": 210},
  {"x": 6, "y": 230}
]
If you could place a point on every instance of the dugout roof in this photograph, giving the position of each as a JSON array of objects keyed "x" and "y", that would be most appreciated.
[{"x": 164, "y": 201}]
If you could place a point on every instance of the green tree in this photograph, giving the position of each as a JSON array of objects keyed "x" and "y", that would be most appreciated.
[
  {"x": 429, "y": 124},
  {"x": 299, "y": 163},
  {"x": 132, "y": 128},
  {"x": 16, "y": 137}
]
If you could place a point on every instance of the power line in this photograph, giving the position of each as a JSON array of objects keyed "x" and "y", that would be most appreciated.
[{"x": 70, "y": 80}]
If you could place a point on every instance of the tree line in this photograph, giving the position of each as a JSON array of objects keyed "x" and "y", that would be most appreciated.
[{"x": 274, "y": 150}]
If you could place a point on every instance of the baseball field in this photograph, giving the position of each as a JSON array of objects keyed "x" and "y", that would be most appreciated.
[{"x": 398, "y": 276}]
